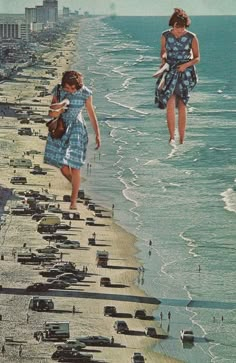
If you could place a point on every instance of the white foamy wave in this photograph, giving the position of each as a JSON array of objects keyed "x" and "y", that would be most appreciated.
[
  {"x": 220, "y": 148},
  {"x": 229, "y": 198},
  {"x": 174, "y": 184},
  {"x": 152, "y": 162},
  {"x": 190, "y": 243},
  {"x": 131, "y": 108}
]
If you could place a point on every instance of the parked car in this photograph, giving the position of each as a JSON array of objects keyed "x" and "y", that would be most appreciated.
[
  {"x": 105, "y": 281},
  {"x": 58, "y": 284},
  {"x": 69, "y": 355},
  {"x": 109, "y": 311},
  {"x": 53, "y": 272},
  {"x": 54, "y": 210},
  {"x": 68, "y": 277},
  {"x": 71, "y": 216},
  {"x": 47, "y": 249},
  {"x": 46, "y": 228},
  {"x": 33, "y": 152},
  {"x": 55, "y": 237},
  {"x": 186, "y": 336},
  {"x": 150, "y": 332},
  {"x": 90, "y": 221},
  {"x": 71, "y": 343},
  {"x": 38, "y": 171},
  {"x": 75, "y": 359},
  {"x": 68, "y": 244},
  {"x": 121, "y": 326},
  {"x": 18, "y": 180},
  {"x": 43, "y": 137},
  {"x": 140, "y": 314},
  {"x": 95, "y": 340},
  {"x": 66, "y": 198},
  {"x": 137, "y": 358},
  {"x": 41, "y": 304},
  {"x": 63, "y": 226},
  {"x": 38, "y": 286}
]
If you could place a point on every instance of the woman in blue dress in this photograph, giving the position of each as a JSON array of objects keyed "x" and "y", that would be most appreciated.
[
  {"x": 177, "y": 74},
  {"x": 69, "y": 152}
]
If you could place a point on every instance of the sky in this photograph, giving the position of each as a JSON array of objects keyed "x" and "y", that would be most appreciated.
[{"x": 130, "y": 7}]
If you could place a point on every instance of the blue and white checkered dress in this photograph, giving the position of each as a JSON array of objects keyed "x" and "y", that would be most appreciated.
[{"x": 71, "y": 148}]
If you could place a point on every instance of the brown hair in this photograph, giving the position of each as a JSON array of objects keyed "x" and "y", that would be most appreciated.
[
  {"x": 72, "y": 78},
  {"x": 179, "y": 18}
]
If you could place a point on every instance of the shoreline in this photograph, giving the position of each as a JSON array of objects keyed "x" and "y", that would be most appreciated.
[{"x": 111, "y": 233}]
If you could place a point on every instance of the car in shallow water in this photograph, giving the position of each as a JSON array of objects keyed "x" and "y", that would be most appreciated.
[{"x": 186, "y": 336}]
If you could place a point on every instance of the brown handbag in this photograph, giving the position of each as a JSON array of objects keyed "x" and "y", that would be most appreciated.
[{"x": 56, "y": 126}]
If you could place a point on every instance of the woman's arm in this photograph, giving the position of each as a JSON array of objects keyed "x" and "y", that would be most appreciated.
[
  {"x": 93, "y": 120},
  {"x": 196, "y": 56},
  {"x": 55, "y": 113},
  {"x": 163, "y": 50}
]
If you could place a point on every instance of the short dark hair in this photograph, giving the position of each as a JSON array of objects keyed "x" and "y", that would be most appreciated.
[
  {"x": 72, "y": 78},
  {"x": 179, "y": 18}
]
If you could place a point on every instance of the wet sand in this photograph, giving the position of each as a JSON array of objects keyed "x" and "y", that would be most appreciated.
[{"x": 87, "y": 296}]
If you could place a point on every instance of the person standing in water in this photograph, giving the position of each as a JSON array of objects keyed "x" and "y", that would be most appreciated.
[
  {"x": 69, "y": 152},
  {"x": 177, "y": 74}
]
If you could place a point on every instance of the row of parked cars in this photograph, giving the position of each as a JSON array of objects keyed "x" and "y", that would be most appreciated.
[{"x": 59, "y": 276}]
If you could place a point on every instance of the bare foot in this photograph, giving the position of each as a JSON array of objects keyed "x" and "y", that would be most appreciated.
[{"x": 73, "y": 206}]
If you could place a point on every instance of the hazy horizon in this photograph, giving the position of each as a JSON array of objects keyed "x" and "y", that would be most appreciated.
[{"x": 129, "y": 7}]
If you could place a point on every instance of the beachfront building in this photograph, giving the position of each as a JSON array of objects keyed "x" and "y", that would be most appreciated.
[
  {"x": 30, "y": 17},
  {"x": 66, "y": 11},
  {"x": 50, "y": 11},
  {"x": 40, "y": 15},
  {"x": 14, "y": 30}
]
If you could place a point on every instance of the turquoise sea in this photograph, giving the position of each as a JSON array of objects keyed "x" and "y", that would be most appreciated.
[{"x": 182, "y": 199}]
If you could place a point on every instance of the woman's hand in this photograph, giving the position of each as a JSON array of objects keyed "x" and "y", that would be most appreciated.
[
  {"x": 55, "y": 113},
  {"x": 98, "y": 142},
  {"x": 181, "y": 67}
]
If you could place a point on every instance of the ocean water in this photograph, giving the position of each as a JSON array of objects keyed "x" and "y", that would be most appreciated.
[{"x": 183, "y": 198}]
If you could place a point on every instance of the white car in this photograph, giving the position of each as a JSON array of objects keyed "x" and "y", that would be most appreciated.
[
  {"x": 71, "y": 343},
  {"x": 68, "y": 244},
  {"x": 186, "y": 336}
]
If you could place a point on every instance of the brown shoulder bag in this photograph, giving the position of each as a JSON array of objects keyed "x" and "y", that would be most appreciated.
[{"x": 56, "y": 126}]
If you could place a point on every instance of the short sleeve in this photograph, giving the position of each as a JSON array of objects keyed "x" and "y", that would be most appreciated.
[
  {"x": 86, "y": 92},
  {"x": 165, "y": 33}
]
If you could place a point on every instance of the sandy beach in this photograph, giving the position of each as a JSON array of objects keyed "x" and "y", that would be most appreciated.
[{"x": 87, "y": 296}]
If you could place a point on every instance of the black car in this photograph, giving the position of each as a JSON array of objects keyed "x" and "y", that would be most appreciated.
[
  {"x": 47, "y": 228},
  {"x": 63, "y": 226},
  {"x": 140, "y": 314},
  {"x": 55, "y": 237},
  {"x": 110, "y": 311},
  {"x": 66, "y": 355},
  {"x": 38, "y": 287},
  {"x": 38, "y": 172}
]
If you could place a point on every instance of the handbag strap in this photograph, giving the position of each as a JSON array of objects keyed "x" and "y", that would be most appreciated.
[{"x": 58, "y": 92}]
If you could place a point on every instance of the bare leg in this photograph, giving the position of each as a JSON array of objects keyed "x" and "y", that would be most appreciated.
[
  {"x": 75, "y": 186},
  {"x": 170, "y": 114},
  {"x": 66, "y": 172},
  {"x": 182, "y": 120}
]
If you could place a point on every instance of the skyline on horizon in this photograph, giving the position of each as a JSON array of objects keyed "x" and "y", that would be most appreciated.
[{"x": 129, "y": 7}]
